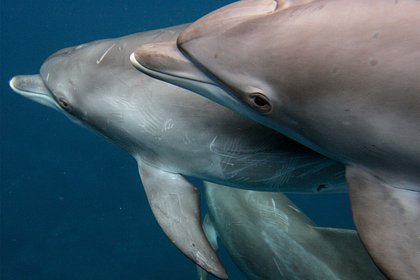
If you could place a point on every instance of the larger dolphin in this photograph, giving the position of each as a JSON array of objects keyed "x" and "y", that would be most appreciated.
[
  {"x": 270, "y": 238},
  {"x": 341, "y": 77},
  {"x": 173, "y": 133}
]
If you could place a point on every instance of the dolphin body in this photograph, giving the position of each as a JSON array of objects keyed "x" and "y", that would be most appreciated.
[
  {"x": 173, "y": 133},
  {"x": 341, "y": 77},
  {"x": 268, "y": 237}
]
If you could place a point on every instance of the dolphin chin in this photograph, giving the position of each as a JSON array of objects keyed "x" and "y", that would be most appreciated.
[{"x": 33, "y": 88}]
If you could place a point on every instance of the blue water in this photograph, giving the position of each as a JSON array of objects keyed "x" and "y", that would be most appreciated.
[{"x": 72, "y": 206}]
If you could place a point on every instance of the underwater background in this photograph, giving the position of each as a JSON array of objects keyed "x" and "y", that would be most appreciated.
[{"x": 72, "y": 205}]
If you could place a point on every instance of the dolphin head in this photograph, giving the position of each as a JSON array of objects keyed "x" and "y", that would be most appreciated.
[
  {"x": 227, "y": 45},
  {"x": 55, "y": 87},
  {"x": 75, "y": 81},
  {"x": 205, "y": 60}
]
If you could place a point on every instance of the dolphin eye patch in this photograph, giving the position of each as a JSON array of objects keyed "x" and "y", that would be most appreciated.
[{"x": 259, "y": 102}]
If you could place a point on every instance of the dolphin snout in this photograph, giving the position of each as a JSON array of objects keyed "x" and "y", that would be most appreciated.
[
  {"x": 24, "y": 84},
  {"x": 165, "y": 60},
  {"x": 33, "y": 88},
  {"x": 160, "y": 57}
]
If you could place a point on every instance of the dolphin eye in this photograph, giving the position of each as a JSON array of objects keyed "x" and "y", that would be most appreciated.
[
  {"x": 64, "y": 104},
  {"x": 259, "y": 102}
]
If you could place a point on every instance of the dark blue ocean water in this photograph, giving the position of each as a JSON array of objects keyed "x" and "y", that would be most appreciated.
[{"x": 72, "y": 206}]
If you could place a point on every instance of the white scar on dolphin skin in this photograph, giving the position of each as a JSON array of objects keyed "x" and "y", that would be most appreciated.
[
  {"x": 173, "y": 133},
  {"x": 104, "y": 54},
  {"x": 269, "y": 238},
  {"x": 339, "y": 76}
]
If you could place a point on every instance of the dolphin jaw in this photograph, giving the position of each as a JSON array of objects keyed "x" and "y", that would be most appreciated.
[
  {"x": 200, "y": 84},
  {"x": 164, "y": 60},
  {"x": 33, "y": 88}
]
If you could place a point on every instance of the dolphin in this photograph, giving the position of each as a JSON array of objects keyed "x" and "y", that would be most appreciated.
[
  {"x": 341, "y": 77},
  {"x": 269, "y": 237},
  {"x": 173, "y": 133}
]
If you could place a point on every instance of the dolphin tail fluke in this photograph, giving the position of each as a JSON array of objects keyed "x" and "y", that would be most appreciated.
[
  {"x": 388, "y": 222},
  {"x": 176, "y": 206}
]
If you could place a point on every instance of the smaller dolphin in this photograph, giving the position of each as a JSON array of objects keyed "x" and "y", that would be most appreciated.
[
  {"x": 339, "y": 76},
  {"x": 269, "y": 238},
  {"x": 173, "y": 133}
]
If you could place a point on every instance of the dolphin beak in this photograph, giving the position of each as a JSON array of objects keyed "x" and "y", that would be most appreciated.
[
  {"x": 164, "y": 61},
  {"x": 34, "y": 88}
]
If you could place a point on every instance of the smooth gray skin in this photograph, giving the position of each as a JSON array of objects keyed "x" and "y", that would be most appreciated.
[
  {"x": 341, "y": 77},
  {"x": 173, "y": 132},
  {"x": 269, "y": 238}
]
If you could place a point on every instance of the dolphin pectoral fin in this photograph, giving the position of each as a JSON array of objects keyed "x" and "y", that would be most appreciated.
[
  {"x": 388, "y": 222},
  {"x": 211, "y": 234},
  {"x": 176, "y": 206},
  {"x": 352, "y": 255}
]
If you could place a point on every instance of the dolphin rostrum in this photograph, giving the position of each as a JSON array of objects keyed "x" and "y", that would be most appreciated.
[
  {"x": 341, "y": 77},
  {"x": 268, "y": 237},
  {"x": 173, "y": 133}
]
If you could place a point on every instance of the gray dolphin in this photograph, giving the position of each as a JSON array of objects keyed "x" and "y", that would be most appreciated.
[
  {"x": 269, "y": 238},
  {"x": 341, "y": 77},
  {"x": 173, "y": 133}
]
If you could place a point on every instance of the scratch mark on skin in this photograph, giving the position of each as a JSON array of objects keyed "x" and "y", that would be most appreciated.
[
  {"x": 105, "y": 53},
  {"x": 168, "y": 125},
  {"x": 277, "y": 265},
  {"x": 211, "y": 147},
  {"x": 294, "y": 208},
  {"x": 187, "y": 139}
]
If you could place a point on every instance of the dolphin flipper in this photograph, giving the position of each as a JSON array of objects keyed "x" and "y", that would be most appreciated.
[
  {"x": 388, "y": 222},
  {"x": 176, "y": 205},
  {"x": 211, "y": 234}
]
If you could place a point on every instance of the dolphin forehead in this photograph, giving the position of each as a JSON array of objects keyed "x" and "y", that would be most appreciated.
[
  {"x": 68, "y": 63},
  {"x": 231, "y": 14}
]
